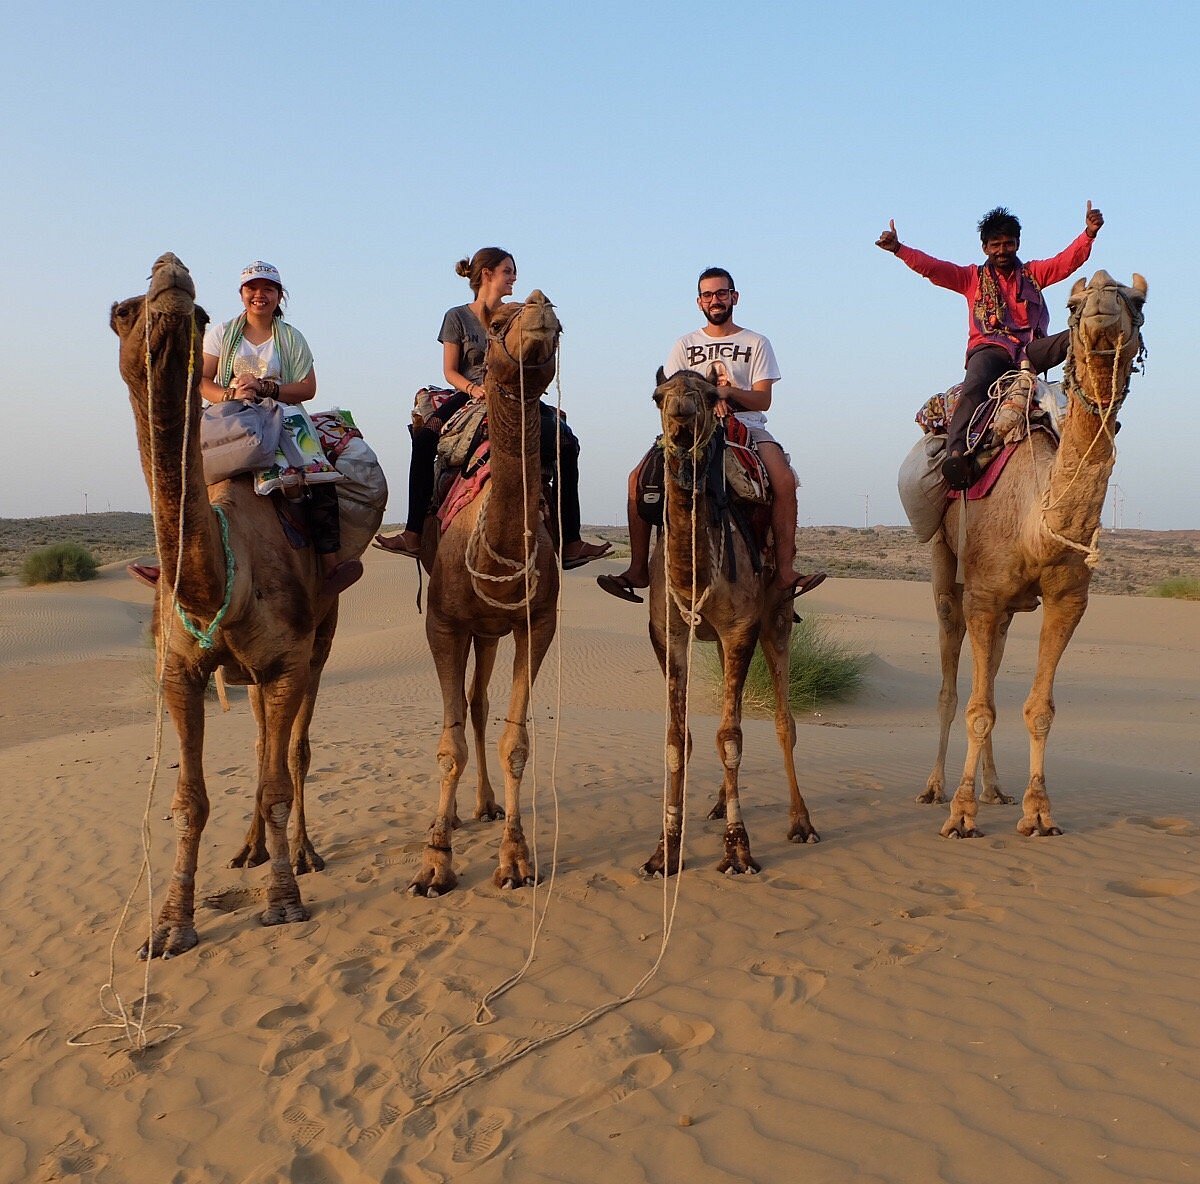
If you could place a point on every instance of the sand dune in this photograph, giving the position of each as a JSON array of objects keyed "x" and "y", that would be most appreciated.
[{"x": 884, "y": 1006}]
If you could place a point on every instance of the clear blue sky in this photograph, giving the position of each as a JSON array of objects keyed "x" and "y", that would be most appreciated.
[{"x": 616, "y": 149}]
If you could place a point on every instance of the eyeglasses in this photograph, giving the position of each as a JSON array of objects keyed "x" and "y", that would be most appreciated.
[{"x": 718, "y": 294}]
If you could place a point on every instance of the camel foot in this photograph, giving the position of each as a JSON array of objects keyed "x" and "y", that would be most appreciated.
[
  {"x": 660, "y": 865},
  {"x": 994, "y": 797},
  {"x": 738, "y": 861},
  {"x": 436, "y": 877},
  {"x": 305, "y": 859},
  {"x": 1036, "y": 826},
  {"x": 251, "y": 855},
  {"x": 284, "y": 914},
  {"x": 961, "y": 828},
  {"x": 802, "y": 831},
  {"x": 931, "y": 795},
  {"x": 717, "y": 813},
  {"x": 491, "y": 812},
  {"x": 169, "y": 941}
]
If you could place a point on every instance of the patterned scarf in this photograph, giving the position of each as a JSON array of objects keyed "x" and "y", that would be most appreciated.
[{"x": 990, "y": 311}]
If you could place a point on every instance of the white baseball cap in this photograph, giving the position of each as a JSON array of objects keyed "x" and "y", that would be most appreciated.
[{"x": 258, "y": 270}]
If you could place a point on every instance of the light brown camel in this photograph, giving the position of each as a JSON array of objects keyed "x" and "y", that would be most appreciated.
[
  {"x": 734, "y": 610},
  {"x": 495, "y": 573},
  {"x": 272, "y": 628},
  {"x": 1033, "y": 536}
]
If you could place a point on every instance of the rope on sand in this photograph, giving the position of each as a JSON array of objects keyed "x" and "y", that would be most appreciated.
[{"x": 670, "y": 901}]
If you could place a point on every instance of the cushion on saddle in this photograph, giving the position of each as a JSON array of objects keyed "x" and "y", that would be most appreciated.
[
  {"x": 745, "y": 474},
  {"x": 467, "y": 485},
  {"x": 427, "y": 402}
]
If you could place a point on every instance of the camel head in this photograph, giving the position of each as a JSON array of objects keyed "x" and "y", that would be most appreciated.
[
  {"x": 1106, "y": 339},
  {"x": 523, "y": 345},
  {"x": 163, "y": 324},
  {"x": 687, "y": 403}
]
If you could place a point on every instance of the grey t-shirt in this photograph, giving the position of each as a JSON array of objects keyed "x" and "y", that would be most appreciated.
[{"x": 461, "y": 326}]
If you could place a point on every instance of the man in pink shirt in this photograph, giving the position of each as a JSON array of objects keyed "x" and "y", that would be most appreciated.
[{"x": 1007, "y": 316}]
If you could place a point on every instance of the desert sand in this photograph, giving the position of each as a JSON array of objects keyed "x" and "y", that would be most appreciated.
[{"x": 887, "y": 1005}]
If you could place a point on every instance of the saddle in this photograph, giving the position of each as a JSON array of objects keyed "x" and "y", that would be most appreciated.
[{"x": 736, "y": 485}]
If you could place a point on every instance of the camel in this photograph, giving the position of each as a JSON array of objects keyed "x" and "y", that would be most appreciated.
[
  {"x": 1033, "y": 536},
  {"x": 736, "y": 611},
  {"x": 494, "y": 572},
  {"x": 246, "y": 601}
]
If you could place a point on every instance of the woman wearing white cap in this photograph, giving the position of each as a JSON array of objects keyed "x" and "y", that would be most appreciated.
[{"x": 258, "y": 354}]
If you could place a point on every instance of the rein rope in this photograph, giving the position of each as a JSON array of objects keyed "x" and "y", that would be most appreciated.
[
  {"x": 131, "y": 1021},
  {"x": 1105, "y": 412}
]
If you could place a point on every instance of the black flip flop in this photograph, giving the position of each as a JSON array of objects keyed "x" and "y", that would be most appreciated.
[{"x": 620, "y": 587}]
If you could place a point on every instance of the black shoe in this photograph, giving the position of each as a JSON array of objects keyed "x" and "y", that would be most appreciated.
[{"x": 959, "y": 471}]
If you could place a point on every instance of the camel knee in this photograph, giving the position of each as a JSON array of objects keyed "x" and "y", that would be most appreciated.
[
  {"x": 1039, "y": 719},
  {"x": 980, "y": 721},
  {"x": 945, "y": 607},
  {"x": 730, "y": 748}
]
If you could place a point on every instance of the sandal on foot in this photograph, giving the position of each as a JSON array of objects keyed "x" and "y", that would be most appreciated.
[
  {"x": 342, "y": 576},
  {"x": 621, "y": 587},
  {"x": 806, "y": 584},
  {"x": 144, "y": 573},
  {"x": 587, "y": 553},
  {"x": 394, "y": 545}
]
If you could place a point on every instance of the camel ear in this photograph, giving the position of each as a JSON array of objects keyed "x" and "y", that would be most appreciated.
[
  {"x": 119, "y": 316},
  {"x": 660, "y": 377},
  {"x": 1139, "y": 285},
  {"x": 1076, "y": 288}
]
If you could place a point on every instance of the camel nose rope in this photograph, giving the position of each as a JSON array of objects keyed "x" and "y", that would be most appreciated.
[{"x": 129, "y": 1026}]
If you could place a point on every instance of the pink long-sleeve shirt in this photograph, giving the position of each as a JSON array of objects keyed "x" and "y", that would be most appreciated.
[{"x": 1028, "y": 315}]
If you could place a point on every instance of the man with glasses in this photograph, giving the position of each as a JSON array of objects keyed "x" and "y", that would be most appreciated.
[{"x": 745, "y": 371}]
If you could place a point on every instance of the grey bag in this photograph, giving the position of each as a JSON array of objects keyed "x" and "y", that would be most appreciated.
[
  {"x": 922, "y": 487},
  {"x": 239, "y": 436}
]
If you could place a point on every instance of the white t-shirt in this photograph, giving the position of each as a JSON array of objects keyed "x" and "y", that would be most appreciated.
[
  {"x": 746, "y": 358},
  {"x": 258, "y": 360}
]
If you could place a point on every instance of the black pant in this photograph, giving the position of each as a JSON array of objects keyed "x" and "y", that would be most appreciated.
[
  {"x": 324, "y": 519},
  {"x": 985, "y": 364},
  {"x": 424, "y": 453}
]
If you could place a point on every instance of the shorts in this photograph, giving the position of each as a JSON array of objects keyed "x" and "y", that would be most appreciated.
[{"x": 762, "y": 436}]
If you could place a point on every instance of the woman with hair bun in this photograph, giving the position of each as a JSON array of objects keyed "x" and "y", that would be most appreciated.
[{"x": 491, "y": 273}]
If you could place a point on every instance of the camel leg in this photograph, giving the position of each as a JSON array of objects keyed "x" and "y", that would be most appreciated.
[
  {"x": 254, "y": 847},
  {"x": 992, "y": 793},
  {"x": 667, "y": 858},
  {"x": 1060, "y": 615},
  {"x": 281, "y": 703},
  {"x": 449, "y": 650},
  {"x": 514, "y": 868},
  {"x": 175, "y": 930},
  {"x": 952, "y": 628},
  {"x": 738, "y": 651},
  {"x": 487, "y": 809},
  {"x": 775, "y": 642},
  {"x": 983, "y": 625},
  {"x": 304, "y": 856}
]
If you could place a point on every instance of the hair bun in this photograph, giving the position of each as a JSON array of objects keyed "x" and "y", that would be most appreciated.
[{"x": 463, "y": 268}]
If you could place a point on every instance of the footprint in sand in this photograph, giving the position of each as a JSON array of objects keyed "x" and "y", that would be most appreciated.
[
  {"x": 859, "y": 779},
  {"x": 304, "y": 1129},
  {"x": 794, "y": 982},
  {"x": 897, "y": 954},
  {"x": 476, "y": 1136},
  {"x": 671, "y": 1034},
  {"x": 298, "y": 1047},
  {"x": 402, "y": 986},
  {"x": 1152, "y": 887},
  {"x": 796, "y": 883},
  {"x": 277, "y": 1017},
  {"x": 355, "y": 974},
  {"x": 230, "y": 900},
  {"x": 1171, "y": 826}
]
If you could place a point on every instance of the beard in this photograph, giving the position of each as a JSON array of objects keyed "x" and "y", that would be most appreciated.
[{"x": 718, "y": 316}]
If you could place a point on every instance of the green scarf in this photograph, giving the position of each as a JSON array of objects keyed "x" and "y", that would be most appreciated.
[{"x": 295, "y": 358}]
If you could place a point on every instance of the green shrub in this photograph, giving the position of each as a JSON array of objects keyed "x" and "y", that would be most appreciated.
[
  {"x": 59, "y": 563},
  {"x": 821, "y": 670},
  {"x": 1178, "y": 588}
]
